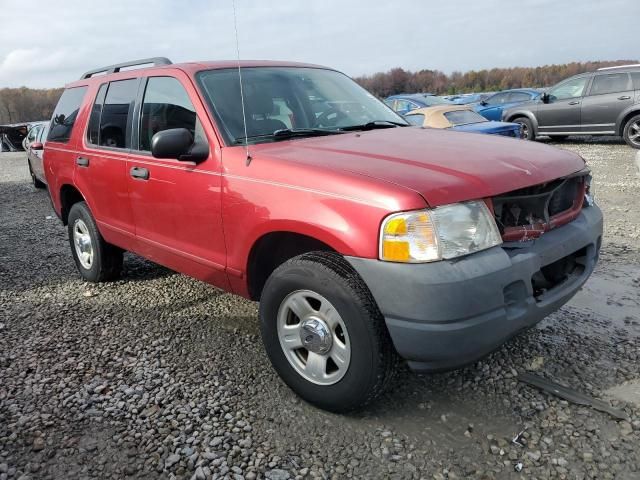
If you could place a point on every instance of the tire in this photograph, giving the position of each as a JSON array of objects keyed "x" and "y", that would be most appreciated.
[
  {"x": 526, "y": 128},
  {"x": 325, "y": 280},
  {"x": 97, "y": 260},
  {"x": 36, "y": 183},
  {"x": 631, "y": 132}
]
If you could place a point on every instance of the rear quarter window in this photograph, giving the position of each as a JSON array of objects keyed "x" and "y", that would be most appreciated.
[{"x": 65, "y": 114}]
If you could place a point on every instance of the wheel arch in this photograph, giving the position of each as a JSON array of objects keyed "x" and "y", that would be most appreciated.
[
  {"x": 272, "y": 249},
  {"x": 69, "y": 195},
  {"x": 625, "y": 116},
  {"x": 512, "y": 116}
]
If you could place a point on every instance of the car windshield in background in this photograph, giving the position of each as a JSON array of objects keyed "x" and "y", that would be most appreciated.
[
  {"x": 432, "y": 100},
  {"x": 305, "y": 101},
  {"x": 464, "y": 117}
]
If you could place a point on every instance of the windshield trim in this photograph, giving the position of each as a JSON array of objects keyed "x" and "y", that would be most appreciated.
[{"x": 228, "y": 139}]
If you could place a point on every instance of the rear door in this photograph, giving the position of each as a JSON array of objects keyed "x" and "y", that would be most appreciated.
[
  {"x": 562, "y": 114},
  {"x": 101, "y": 166},
  {"x": 609, "y": 95},
  {"x": 177, "y": 204}
]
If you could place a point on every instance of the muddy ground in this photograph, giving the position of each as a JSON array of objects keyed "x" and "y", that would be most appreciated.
[{"x": 161, "y": 376}]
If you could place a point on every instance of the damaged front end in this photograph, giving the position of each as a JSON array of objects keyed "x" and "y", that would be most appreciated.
[{"x": 527, "y": 213}]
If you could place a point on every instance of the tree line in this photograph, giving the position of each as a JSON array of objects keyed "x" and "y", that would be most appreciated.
[
  {"x": 18, "y": 105},
  {"x": 398, "y": 80},
  {"x": 24, "y": 104}
]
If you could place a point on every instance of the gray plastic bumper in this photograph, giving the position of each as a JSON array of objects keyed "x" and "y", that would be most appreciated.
[{"x": 446, "y": 314}]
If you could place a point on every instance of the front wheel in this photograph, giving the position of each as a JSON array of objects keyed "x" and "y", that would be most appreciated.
[
  {"x": 324, "y": 334},
  {"x": 97, "y": 260},
  {"x": 526, "y": 128},
  {"x": 631, "y": 132}
]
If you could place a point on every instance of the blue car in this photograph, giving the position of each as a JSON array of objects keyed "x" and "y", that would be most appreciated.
[
  {"x": 460, "y": 118},
  {"x": 492, "y": 107},
  {"x": 404, "y": 103}
]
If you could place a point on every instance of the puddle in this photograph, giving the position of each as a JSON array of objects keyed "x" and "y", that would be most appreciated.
[{"x": 612, "y": 295}]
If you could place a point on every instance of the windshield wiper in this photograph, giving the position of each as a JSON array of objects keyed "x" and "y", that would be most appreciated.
[
  {"x": 285, "y": 133},
  {"x": 373, "y": 125}
]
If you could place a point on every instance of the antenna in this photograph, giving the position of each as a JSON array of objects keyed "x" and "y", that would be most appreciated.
[{"x": 244, "y": 115}]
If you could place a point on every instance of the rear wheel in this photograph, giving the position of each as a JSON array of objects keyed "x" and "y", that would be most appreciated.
[
  {"x": 324, "y": 334},
  {"x": 97, "y": 260},
  {"x": 526, "y": 128},
  {"x": 631, "y": 132},
  {"x": 36, "y": 183}
]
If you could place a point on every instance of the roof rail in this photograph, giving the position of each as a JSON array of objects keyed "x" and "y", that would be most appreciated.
[
  {"x": 156, "y": 61},
  {"x": 619, "y": 66}
]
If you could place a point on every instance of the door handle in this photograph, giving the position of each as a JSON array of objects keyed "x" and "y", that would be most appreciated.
[
  {"x": 575, "y": 102},
  {"x": 139, "y": 172},
  {"x": 624, "y": 97},
  {"x": 82, "y": 162}
]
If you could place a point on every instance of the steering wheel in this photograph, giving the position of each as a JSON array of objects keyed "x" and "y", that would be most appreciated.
[{"x": 330, "y": 118}]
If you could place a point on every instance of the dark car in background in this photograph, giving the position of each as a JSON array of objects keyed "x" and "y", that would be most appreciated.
[
  {"x": 404, "y": 103},
  {"x": 604, "y": 102},
  {"x": 493, "y": 106}
]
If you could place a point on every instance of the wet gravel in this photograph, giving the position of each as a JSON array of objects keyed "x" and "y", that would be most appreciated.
[{"x": 161, "y": 376}]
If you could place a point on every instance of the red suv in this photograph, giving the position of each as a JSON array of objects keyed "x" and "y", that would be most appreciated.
[{"x": 364, "y": 239}]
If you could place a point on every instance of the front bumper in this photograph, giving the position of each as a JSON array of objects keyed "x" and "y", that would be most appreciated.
[{"x": 446, "y": 314}]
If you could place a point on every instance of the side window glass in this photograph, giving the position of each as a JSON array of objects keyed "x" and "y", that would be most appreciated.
[
  {"x": 571, "y": 89},
  {"x": 497, "y": 99},
  {"x": 93, "y": 132},
  {"x": 613, "y": 83},
  {"x": 64, "y": 116},
  {"x": 116, "y": 112},
  {"x": 635, "y": 76},
  {"x": 415, "y": 119},
  {"x": 167, "y": 105},
  {"x": 519, "y": 97}
]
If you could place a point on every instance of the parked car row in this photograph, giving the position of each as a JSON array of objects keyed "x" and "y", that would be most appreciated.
[{"x": 605, "y": 102}]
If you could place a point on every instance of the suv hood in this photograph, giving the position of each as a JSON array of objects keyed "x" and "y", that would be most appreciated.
[{"x": 442, "y": 166}]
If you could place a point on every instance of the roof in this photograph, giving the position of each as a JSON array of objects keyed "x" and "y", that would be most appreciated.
[
  {"x": 193, "y": 67},
  {"x": 411, "y": 96},
  {"x": 434, "y": 116}
]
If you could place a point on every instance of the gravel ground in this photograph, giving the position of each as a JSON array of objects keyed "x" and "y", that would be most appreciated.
[{"x": 161, "y": 376}]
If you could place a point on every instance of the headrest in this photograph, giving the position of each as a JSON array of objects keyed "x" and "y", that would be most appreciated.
[{"x": 259, "y": 103}]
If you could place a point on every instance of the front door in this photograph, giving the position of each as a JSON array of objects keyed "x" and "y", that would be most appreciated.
[
  {"x": 609, "y": 95},
  {"x": 561, "y": 114},
  {"x": 177, "y": 204}
]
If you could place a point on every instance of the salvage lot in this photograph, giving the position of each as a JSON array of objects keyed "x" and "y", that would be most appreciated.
[{"x": 160, "y": 375}]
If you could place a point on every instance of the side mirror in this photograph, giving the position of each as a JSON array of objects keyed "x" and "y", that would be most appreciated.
[
  {"x": 37, "y": 146},
  {"x": 544, "y": 97},
  {"x": 178, "y": 143},
  {"x": 483, "y": 103}
]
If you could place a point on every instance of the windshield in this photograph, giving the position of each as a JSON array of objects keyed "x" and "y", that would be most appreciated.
[
  {"x": 277, "y": 98},
  {"x": 464, "y": 117}
]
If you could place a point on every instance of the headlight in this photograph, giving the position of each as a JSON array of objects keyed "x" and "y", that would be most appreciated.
[{"x": 434, "y": 234}]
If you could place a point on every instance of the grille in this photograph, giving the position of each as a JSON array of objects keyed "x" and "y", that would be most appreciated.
[{"x": 529, "y": 212}]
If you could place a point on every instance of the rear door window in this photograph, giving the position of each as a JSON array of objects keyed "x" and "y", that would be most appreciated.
[
  {"x": 610, "y": 83},
  {"x": 519, "y": 97},
  {"x": 115, "y": 120},
  {"x": 65, "y": 114},
  {"x": 167, "y": 105},
  {"x": 498, "y": 99},
  {"x": 635, "y": 76}
]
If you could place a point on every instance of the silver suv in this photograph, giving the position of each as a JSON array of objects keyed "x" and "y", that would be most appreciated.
[{"x": 605, "y": 102}]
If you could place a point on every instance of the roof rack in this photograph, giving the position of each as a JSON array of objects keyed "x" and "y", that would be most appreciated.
[
  {"x": 156, "y": 61},
  {"x": 619, "y": 66}
]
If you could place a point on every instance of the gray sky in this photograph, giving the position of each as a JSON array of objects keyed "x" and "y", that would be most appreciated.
[{"x": 47, "y": 43}]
